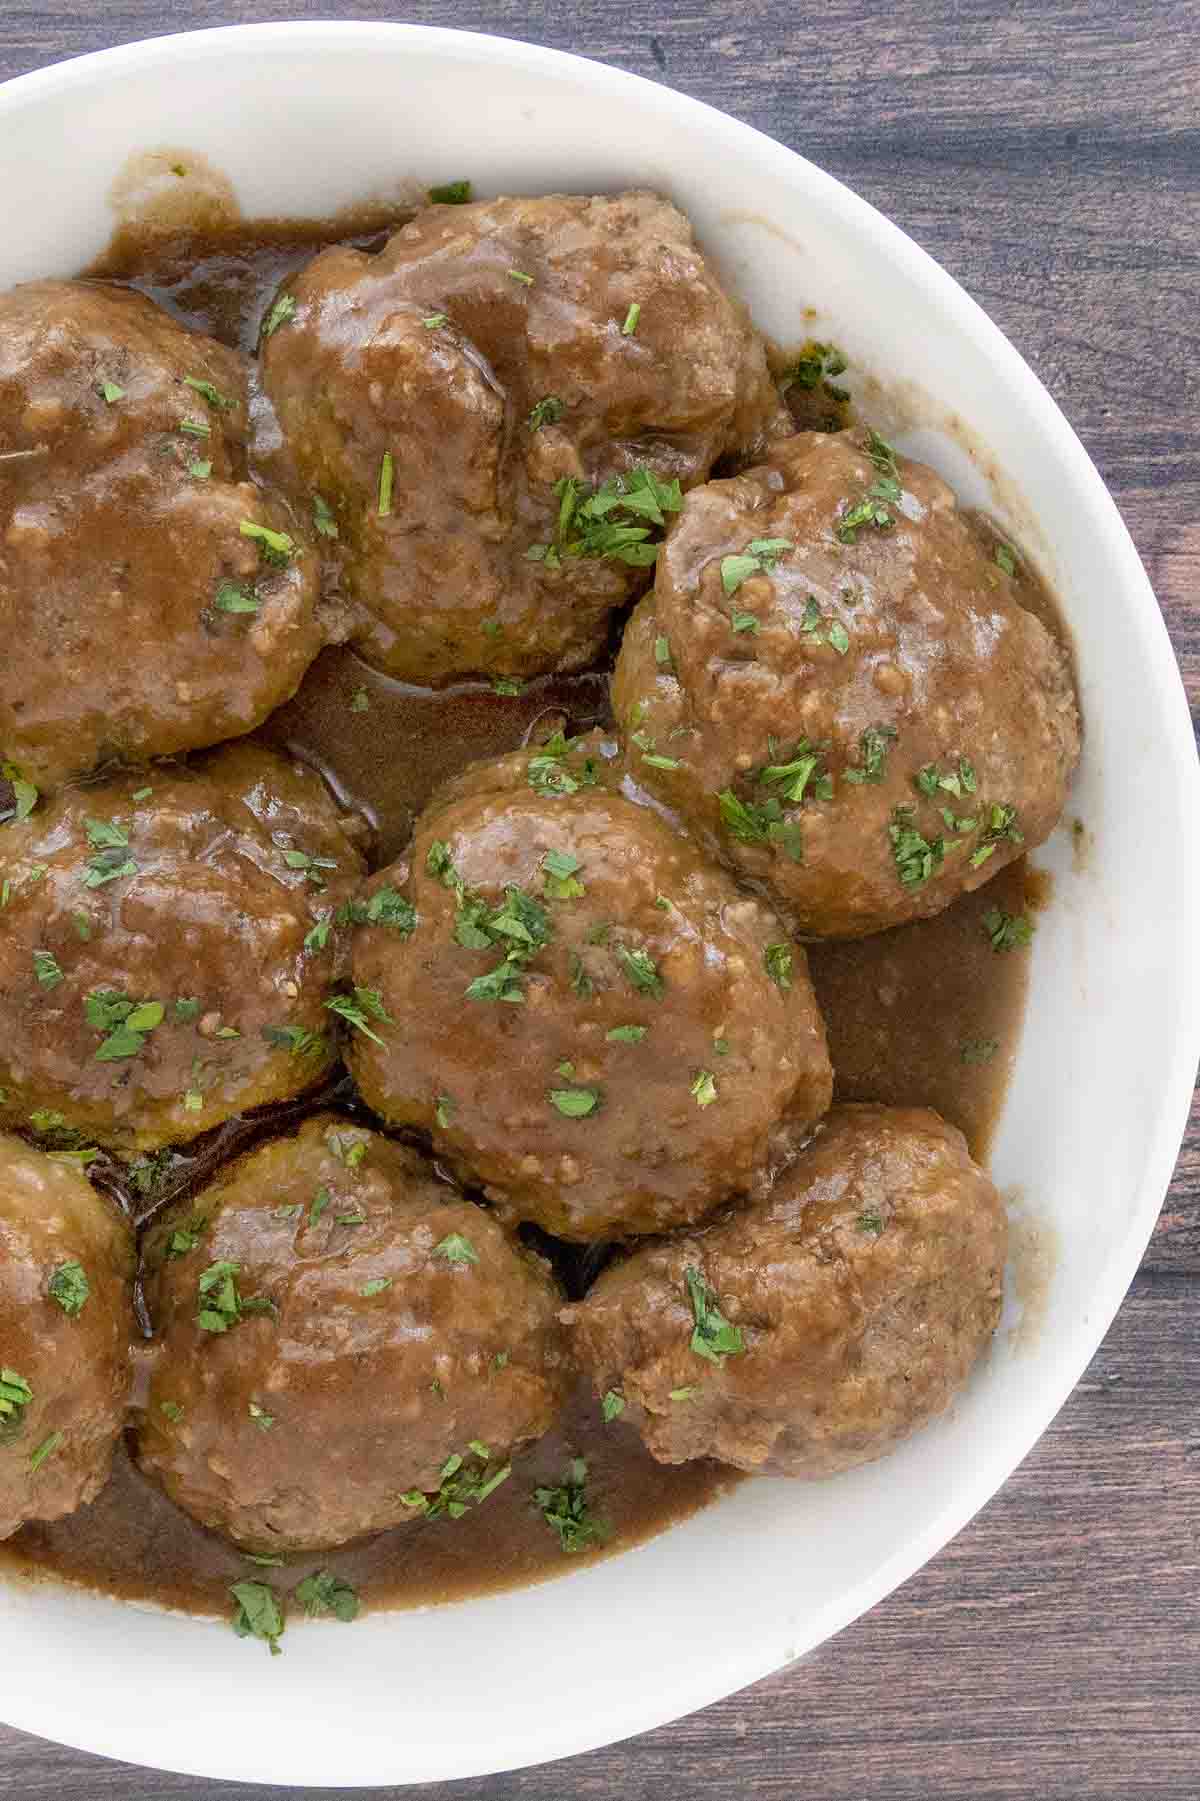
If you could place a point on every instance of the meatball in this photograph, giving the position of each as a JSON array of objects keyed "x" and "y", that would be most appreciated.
[
  {"x": 166, "y": 947},
  {"x": 588, "y": 1018},
  {"x": 170, "y": 597},
  {"x": 819, "y": 1327},
  {"x": 66, "y": 1270},
  {"x": 835, "y": 684},
  {"x": 455, "y": 399},
  {"x": 347, "y": 1343}
]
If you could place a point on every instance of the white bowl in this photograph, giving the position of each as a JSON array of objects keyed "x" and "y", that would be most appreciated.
[{"x": 306, "y": 119}]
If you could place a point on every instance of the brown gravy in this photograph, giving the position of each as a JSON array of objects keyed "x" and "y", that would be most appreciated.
[{"x": 925, "y": 1014}]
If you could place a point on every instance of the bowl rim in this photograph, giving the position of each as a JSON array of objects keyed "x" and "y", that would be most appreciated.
[{"x": 677, "y": 1696}]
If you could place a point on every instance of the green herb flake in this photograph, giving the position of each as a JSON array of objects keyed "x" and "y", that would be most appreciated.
[
  {"x": 778, "y": 960},
  {"x": 275, "y": 547},
  {"x": 612, "y": 1406},
  {"x": 259, "y": 1613},
  {"x": 565, "y": 1510},
  {"x": 713, "y": 1337},
  {"x": 759, "y": 558},
  {"x": 460, "y": 1485},
  {"x": 1006, "y": 559},
  {"x": 640, "y": 970},
  {"x": 631, "y": 319},
  {"x": 456, "y": 1248},
  {"x": 15, "y": 1396},
  {"x": 978, "y": 1050},
  {"x": 110, "y": 392},
  {"x": 662, "y": 653},
  {"x": 262, "y": 1419},
  {"x": 839, "y": 637},
  {"x": 1007, "y": 931},
  {"x": 321, "y": 1200},
  {"x": 507, "y": 684},
  {"x": 682, "y": 1394},
  {"x": 46, "y": 969},
  {"x": 561, "y": 872},
  {"x": 870, "y": 1222},
  {"x": 325, "y": 1593},
  {"x": 574, "y": 1103},
  {"x": 375, "y": 1286},
  {"x": 283, "y": 310},
  {"x": 357, "y": 1008},
  {"x": 873, "y": 747},
  {"x": 171, "y": 1410},
  {"x": 25, "y": 794},
  {"x": 232, "y": 597},
  {"x": 200, "y": 469},
  {"x": 435, "y": 321},
  {"x": 220, "y": 403},
  {"x": 323, "y": 520},
  {"x": 46, "y": 1449},
  {"x": 195, "y": 428},
  {"x": 70, "y": 1287},
  {"x": 387, "y": 478},
  {"x": 916, "y": 858},
  {"x": 444, "y": 1109},
  {"x": 704, "y": 1088},
  {"x": 317, "y": 937},
  {"x": 626, "y": 1034},
  {"x": 451, "y": 193},
  {"x": 519, "y": 275},
  {"x": 548, "y": 411}
]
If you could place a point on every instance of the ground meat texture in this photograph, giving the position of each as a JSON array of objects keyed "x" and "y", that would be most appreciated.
[
  {"x": 379, "y": 1326},
  {"x": 123, "y": 495},
  {"x": 863, "y": 728},
  {"x": 814, "y": 1330},
  {"x": 489, "y": 351},
  {"x": 169, "y": 900},
  {"x": 66, "y": 1270},
  {"x": 651, "y": 1048}
]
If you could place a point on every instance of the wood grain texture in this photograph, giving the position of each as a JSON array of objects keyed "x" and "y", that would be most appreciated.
[{"x": 1047, "y": 153}]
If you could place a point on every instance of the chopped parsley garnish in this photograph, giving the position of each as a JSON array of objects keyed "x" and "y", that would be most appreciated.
[
  {"x": 626, "y": 1034},
  {"x": 70, "y": 1287},
  {"x": 713, "y": 1336},
  {"x": 575, "y": 1103},
  {"x": 185, "y": 1238},
  {"x": 195, "y": 428},
  {"x": 220, "y": 1305},
  {"x": 25, "y": 794},
  {"x": 443, "y": 1111},
  {"x": 200, "y": 469},
  {"x": 745, "y": 622},
  {"x": 839, "y": 637},
  {"x": 259, "y": 1613},
  {"x": 526, "y": 281},
  {"x": 754, "y": 822},
  {"x": 221, "y": 403},
  {"x": 386, "y": 907},
  {"x": 387, "y": 477},
  {"x": 45, "y": 968},
  {"x": 456, "y": 1248},
  {"x": 275, "y": 547},
  {"x": 262, "y": 1419},
  {"x": 874, "y": 507},
  {"x": 778, "y": 960},
  {"x": 759, "y": 557},
  {"x": 662, "y": 653},
  {"x": 792, "y": 778},
  {"x": 1007, "y": 931},
  {"x": 232, "y": 597},
  {"x": 151, "y": 1172},
  {"x": 283, "y": 310},
  {"x": 916, "y": 857},
  {"x": 360, "y": 701},
  {"x": 461, "y": 1485},
  {"x": 312, "y": 866},
  {"x": 545, "y": 771},
  {"x": 15, "y": 1396},
  {"x": 451, "y": 193},
  {"x": 507, "y": 684},
  {"x": 612, "y": 1406},
  {"x": 631, "y": 319},
  {"x": 357, "y": 1008},
  {"x": 873, "y": 747},
  {"x": 615, "y": 520},
  {"x": 704, "y": 1088},
  {"x": 434, "y": 321},
  {"x": 124, "y": 1021},
  {"x": 171, "y": 1410},
  {"x": 110, "y": 392},
  {"x": 1006, "y": 559},
  {"x": 317, "y": 937},
  {"x": 324, "y": 1592},
  {"x": 46, "y": 1449},
  {"x": 1001, "y": 825},
  {"x": 110, "y": 859},
  {"x": 561, "y": 875},
  {"x": 817, "y": 362},
  {"x": 565, "y": 1509},
  {"x": 296, "y": 1041},
  {"x": 375, "y": 1286},
  {"x": 978, "y": 1050},
  {"x": 640, "y": 970},
  {"x": 548, "y": 411},
  {"x": 321, "y": 1200},
  {"x": 581, "y": 981},
  {"x": 323, "y": 519},
  {"x": 961, "y": 780}
]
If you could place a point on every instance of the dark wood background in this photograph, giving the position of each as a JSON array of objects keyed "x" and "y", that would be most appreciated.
[{"x": 1049, "y": 155}]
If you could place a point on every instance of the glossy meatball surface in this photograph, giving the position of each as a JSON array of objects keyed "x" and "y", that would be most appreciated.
[
  {"x": 173, "y": 600},
  {"x": 338, "y": 1326},
  {"x": 163, "y": 962},
  {"x": 454, "y": 396},
  {"x": 816, "y": 1329},
  {"x": 588, "y": 1017},
  {"x": 856, "y": 712},
  {"x": 66, "y": 1270}
]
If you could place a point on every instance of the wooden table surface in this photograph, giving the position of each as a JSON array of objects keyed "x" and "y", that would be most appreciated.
[{"x": 1047, "y": 152}]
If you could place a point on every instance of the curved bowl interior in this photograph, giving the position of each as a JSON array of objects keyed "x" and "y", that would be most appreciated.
[{"x": 307, "y": 119}]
